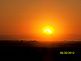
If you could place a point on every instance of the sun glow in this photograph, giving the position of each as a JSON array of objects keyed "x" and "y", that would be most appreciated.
[{"x": 48, "y": 30}]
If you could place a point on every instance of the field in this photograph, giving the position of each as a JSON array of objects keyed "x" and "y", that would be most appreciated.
[{"x": 31, "y": 51}]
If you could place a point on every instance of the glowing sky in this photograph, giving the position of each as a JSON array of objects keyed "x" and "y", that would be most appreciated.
[{"x": 23, "y": 19}]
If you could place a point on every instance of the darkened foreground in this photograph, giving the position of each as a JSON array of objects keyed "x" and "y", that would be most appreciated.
[{"x": 29, "y": 51}]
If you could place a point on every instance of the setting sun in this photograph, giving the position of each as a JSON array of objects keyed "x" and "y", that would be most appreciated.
[{"x": 48, "y": 30}]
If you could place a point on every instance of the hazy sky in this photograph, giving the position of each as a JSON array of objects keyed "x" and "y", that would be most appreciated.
[{"x": 24, "y": 17}]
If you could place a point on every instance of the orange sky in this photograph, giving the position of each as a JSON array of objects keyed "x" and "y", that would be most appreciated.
[{"x": 23, "y": 19}]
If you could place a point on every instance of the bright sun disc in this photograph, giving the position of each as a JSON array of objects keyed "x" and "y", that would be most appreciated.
[{"x": 48, "y": 30}]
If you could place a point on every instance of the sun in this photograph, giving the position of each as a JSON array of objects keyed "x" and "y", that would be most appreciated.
[{"x": 48, "y": 30}]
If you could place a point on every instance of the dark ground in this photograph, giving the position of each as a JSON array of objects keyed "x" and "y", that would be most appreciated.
[{"x": 28, "y": 51}]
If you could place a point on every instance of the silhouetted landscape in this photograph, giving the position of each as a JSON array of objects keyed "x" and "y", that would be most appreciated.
[{"x": 32, "y": 51}]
